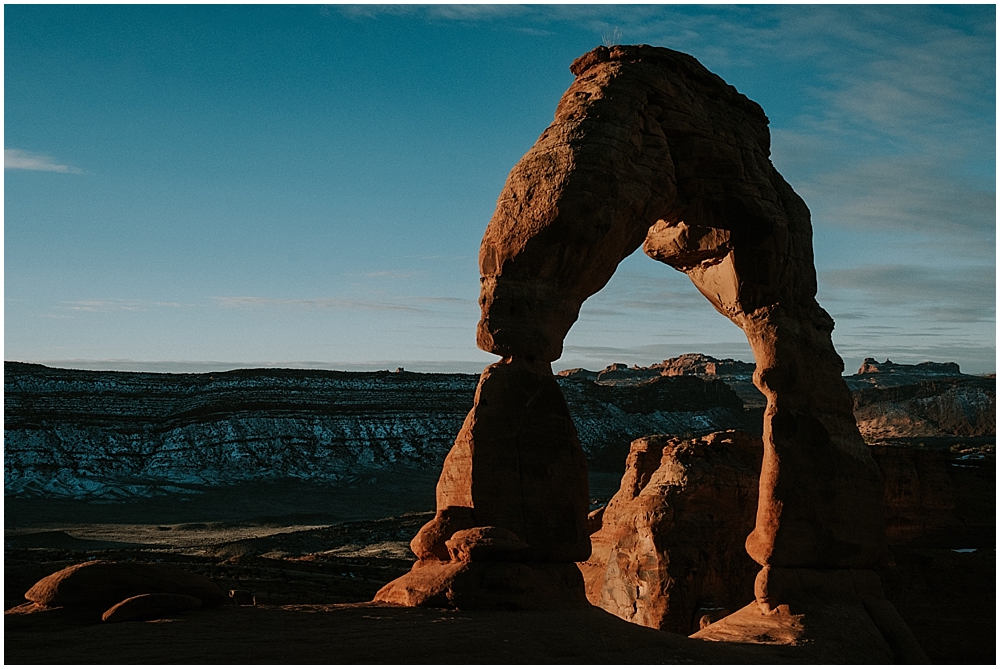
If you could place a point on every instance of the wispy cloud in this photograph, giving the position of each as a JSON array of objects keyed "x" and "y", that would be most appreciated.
[
  {"x": 446, "y": 12},
  {"x": 105, "y": 305},
  {"x": 392, "y": 274},
  {"x": 18, "y": 159},
  {"x": 915, "y": 313},
  {"x": 252, "y": 302},
  {"x": 630, "y": 293},
  {"x": 903, "y": 192},
  {"x": 957, "y": 294}
]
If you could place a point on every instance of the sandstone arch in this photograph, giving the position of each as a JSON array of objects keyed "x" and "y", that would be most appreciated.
[{"x": 648, "y": 148}]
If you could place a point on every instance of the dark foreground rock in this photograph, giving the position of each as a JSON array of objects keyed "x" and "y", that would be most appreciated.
[
  {"x": 381, "y": 634},
  {"x": 954, "y": 407},
  {"x": 668, "y": 552},
  {"x": 101, "y": 583},
  {"x": 150, "y": 607}
]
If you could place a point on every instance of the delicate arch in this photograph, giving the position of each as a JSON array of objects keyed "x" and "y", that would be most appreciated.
[{"x": 648, "y": 147}]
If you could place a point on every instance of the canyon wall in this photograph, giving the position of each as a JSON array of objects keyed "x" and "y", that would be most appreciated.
[{"x": 110, "y": 435}]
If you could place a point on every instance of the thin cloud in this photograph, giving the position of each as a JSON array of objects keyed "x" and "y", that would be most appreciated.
[
  {"x": 251, "y": 302},
  {"x": 392, "y": 274},
  {"x": 111, "y": 305},
  {"x": 905, "y": 192},
  {"x": 473, "y": 12},
  {"x": 956, "y": 288},
  {"x": 18, "y": 159},
  {"x": 445, "y": 301},
  {"x": 408, "y": 304},
  {"x": 467, "y": 13}
]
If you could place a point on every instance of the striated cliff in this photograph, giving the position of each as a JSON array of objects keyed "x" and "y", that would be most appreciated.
[
  {"x": 108, "y": 435},
  {"x": 950, "y": 407}
]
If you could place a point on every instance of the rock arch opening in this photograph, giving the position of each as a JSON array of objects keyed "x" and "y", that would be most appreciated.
[{"x": 648, "y": 149}]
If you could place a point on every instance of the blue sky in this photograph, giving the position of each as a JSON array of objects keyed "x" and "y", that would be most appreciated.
[{"x": 199, "y": 187}]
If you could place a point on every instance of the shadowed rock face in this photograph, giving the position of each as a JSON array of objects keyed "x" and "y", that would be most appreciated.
[
  {"x": 650, "y": 148},
  {"x": 516, "y": 464}
]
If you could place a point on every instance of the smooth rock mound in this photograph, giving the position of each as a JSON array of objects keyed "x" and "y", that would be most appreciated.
[
  {"x": 149, "y": 607},
  {"x": 104, "y": 583}
]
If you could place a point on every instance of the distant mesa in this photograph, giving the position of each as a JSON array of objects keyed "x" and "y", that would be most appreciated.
[
  {"x": 737, "y": 374},
  {"x": 872, "y": 366},
  {"x": 689, "y": 364}
]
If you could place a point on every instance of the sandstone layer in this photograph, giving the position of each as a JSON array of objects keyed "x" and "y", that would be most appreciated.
[{"x": 99, "y": 582}]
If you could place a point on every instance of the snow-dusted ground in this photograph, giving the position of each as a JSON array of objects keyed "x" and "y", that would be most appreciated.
[{"x": 112, "y": 435}]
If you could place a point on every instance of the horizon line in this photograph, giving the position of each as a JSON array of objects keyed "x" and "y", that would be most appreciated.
[{"x": 208, "y": 366}]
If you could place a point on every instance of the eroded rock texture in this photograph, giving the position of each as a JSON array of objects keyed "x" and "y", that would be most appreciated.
[
  {"x": 650, "y": 148},
  {"x": 101, "y": 583},
  {"x": 670, "y": 545},
  {"x": 511, "y": 503}
]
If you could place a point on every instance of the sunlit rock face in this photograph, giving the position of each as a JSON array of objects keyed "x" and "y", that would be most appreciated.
[
  {"x": 669, "y": 548},
  {"x": 517, "y": 464}
]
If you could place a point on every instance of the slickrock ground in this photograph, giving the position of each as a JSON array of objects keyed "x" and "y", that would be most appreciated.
[
  {"x": 311, "y": 582},
  {"x": 945, "y": 597},
  {"x": 377, "y": 634}
]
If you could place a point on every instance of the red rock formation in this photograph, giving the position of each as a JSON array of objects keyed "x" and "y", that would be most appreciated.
[
  {"x": 937, "y": 499},
  {"x": 650, "y": 148},
  {"x": 955, "y": 407},
  {"x": 698, "y": 364},
  {"x": 149, "y": 607},
  {"x": 873, "y": 366},
  {"x": 670, "y": 547},
  {"x": 513, "y": 489},
  {"x": 104, "y": 583},
  {"x": 690, "y": 176}
]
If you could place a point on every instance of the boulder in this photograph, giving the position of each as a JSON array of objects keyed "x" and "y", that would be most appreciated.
[
  {"x": 670, "y": 549},
  {"x": 103, "y": 583},
  {"x": 485, "y": 544},
  {"x": 150, "y": 607}
]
